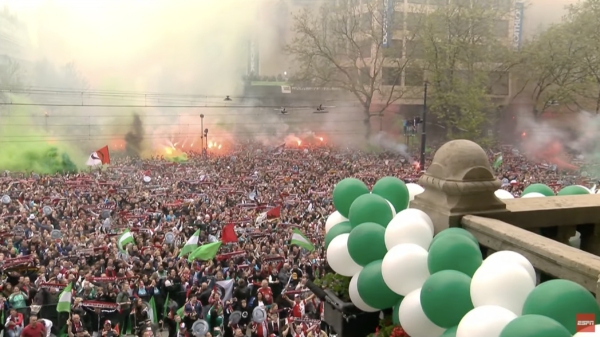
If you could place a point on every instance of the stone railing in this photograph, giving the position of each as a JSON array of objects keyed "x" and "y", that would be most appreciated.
[{"x": 546, "y": 255}]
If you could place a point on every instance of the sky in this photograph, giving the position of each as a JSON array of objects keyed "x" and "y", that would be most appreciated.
[{"x": 159, "y": 45}]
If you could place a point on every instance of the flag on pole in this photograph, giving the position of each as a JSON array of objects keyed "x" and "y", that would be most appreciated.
[
  {"x": 125, "y": 239},
  {"x": 301, "y": 241},
  {"x": 64, "y": 300},
  {"x": 152, "y": 314},
  {"x": 273, "y": 213},
  {"x": 166, "y": 306},
  {"x": 262, "y": 217},
  {"x": 190, "y": 245},
  {"x": 497, "y": 162},
  {"x": 205, "y": 252},
  {"x": 228, "y": 234},
  {"x": 99, "y": 157},
  {"x": 226, "y": 289}
]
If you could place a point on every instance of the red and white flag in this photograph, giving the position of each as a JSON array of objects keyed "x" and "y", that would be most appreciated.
[{"x": 99, "y": 157}]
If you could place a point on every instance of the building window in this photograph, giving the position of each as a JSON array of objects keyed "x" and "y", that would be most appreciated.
[
  {"x": 414, "y": 21},
  {"x": 499, "y": 83},
  {"x": 394, "y": 49},
  {"x": 366, "y": 22},
  {"x": 365, "y": 48},
  {"x": 398, "y": 20},
  {"x": 502, "y": 5},
  {"x": 365, "y": 75},
  {"x": 390, "y": 76},
  {"x": 413, "y": 77},
  {"x": 501, "y": 28},
  {"x": 414, "y": 50}
]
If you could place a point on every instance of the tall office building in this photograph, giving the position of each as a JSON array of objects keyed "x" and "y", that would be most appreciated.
[{"x": 14, "y": 40}]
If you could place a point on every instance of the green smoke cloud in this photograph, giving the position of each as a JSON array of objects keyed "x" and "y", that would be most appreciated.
[{"x": 26, "y": 147}]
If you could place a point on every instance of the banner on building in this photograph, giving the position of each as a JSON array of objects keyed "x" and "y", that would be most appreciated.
[
  {"x": 253, "y": 55},
  {"x": 388, "y": 11},
  {"x": 518, "y": 24}
]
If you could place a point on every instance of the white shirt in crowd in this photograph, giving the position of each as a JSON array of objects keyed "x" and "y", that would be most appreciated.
[{"x": 48, "y": 324}]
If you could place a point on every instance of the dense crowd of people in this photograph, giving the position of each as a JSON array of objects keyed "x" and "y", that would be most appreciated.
[{"x": 63, "y": 230}]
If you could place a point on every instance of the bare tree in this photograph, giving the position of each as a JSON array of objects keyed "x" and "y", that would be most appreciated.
[
  {"x": 10, "y": 75},
  {"x": 349, "y": 46}
]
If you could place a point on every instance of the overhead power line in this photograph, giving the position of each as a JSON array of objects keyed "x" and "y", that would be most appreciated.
[
  {"x": 73, "y": 138},
  {"x": 191, "y": 124},
  {"x": 141, "y": 106}
]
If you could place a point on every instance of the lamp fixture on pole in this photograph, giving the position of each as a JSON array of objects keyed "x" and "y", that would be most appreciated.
[{"x": 201, "y": 134}]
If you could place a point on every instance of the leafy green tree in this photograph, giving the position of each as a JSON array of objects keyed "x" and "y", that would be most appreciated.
[
  {"x": 584, "y": 31},
  {"x": 549, "y": 70},
  {"x": 342, "y": 45},
  {"x": 465, "y": 59}
]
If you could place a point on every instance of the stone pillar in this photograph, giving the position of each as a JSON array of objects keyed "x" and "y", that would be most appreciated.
[{"x": 458, "y": 182}]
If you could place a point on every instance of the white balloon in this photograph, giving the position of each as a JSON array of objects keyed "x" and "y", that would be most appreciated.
[
  {"x": 504, "y": 194},
  {"x": 355, "y": 296},
  {"x": 392, "y": 207},
  {"x": 533, "y": 195},
  {"x": 508, "y": 256},
  {"x": 404, "y": 268},
  {"x": 596, "y": 333},
  {"x": 413, "y": 190},
  {"x": 506, "y": 285},
  {"x": 413, "y": 319},
  {"x": 575, "y": 241},
  {"x": 334, "y": 219},
  {"x": 485, "y": 321},
  {"x": 413, "y": 212},
  {"x": 339, "y": 258},
  {"x": 408, "y": 227}
]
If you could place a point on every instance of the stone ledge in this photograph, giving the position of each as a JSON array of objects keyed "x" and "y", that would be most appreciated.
[
  {"x": 547, "y": 255},
  {"x": 560, "y": 211}
]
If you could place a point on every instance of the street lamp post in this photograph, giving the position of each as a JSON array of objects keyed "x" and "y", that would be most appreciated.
[
  {"x": 206, "y": 141},
  {"x": 201, "y": 131},
  {"x": 423, "y": 129}
]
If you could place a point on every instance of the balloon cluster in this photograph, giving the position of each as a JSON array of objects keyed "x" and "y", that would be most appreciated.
[
  {"x": 440, "y": 286},
  {"x": 542, "y": 190}
]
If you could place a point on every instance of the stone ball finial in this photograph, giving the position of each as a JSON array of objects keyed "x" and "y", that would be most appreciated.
[{"x": 461, "y": 160}]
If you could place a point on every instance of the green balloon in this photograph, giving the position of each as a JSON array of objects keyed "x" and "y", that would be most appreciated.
[
  {"x": 450, "y": 332},
  {"x": 366, "y": 243},
  {"x": 393, "y": 190},
  {"x": 453, "y": 289},
  {"x": 454, "y": 252},
  {"x": 574, "y": 190},
  {"x": 561, "y": 300},
  {"x": 341, "y": 228},
  {"x": 455, "y": 230},
  {"x": 396, "y": 312},
  {"x": 345, "y": 192},
  {"x": 538, "y": 188},
  {"x": 370, "y": 208},
  {"x": 534, "y": 326},
  {"x": 373, "y": 290}
]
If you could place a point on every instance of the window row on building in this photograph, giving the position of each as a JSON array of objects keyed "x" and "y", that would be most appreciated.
[
  {"x": 411, "y": 21},
  {"x": 498, "y": 82}
]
